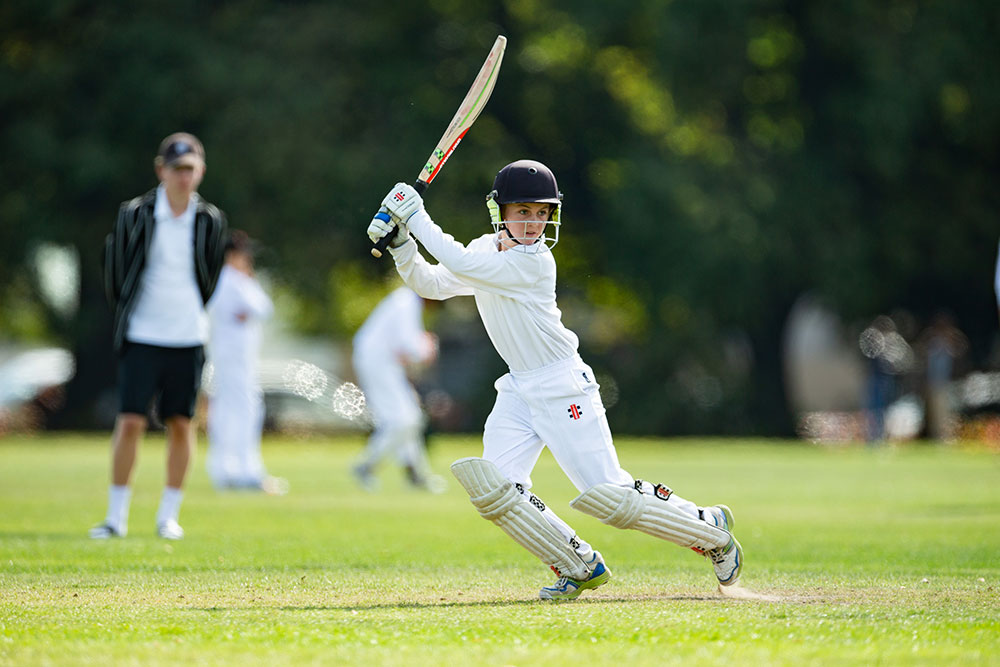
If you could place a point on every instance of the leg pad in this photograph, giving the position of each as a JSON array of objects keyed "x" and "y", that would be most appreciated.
[
  {"x": 625, "y": 507},
  {"x": 499, "y": 501}
]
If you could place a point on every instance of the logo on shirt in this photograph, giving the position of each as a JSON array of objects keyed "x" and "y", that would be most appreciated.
[{"x": 574, "y": 411}]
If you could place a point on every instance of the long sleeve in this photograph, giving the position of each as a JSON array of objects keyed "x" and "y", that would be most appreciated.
[
  {"x": 430, "y": 282},
  {"x": 510, "y": 273}
]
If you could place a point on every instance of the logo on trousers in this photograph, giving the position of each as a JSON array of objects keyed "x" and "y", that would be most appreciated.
[{"x": 574, "y": 411}]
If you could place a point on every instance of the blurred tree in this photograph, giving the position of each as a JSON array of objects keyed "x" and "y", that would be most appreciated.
[{"x": 719, "y": 159}]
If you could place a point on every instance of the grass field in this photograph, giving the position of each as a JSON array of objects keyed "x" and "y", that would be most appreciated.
[{"x": 888, "y": 556}]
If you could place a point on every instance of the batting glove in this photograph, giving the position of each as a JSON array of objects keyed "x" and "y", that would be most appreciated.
[
  {"x": 402, "y": 202},
  {"x": 379, "y": 228}
]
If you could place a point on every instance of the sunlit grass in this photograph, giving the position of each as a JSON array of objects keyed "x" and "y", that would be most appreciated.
[{"x": 868, "y": 556}]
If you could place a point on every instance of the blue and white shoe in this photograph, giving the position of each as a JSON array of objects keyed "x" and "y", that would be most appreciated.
[
  {"x": 727, "y": 561},
  {"x": 569, "y": 589}
]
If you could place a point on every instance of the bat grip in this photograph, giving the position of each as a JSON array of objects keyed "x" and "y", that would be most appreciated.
[{"x": 379, "y": 248}]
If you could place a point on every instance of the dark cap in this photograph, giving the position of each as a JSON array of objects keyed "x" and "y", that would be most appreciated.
[{"x": 180, "y": 149}]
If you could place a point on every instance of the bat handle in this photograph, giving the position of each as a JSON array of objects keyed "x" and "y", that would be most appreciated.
[{"x": 379, "y": 248}]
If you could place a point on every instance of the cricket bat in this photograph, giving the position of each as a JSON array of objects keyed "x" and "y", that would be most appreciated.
[{"x": 466, "y": 115}]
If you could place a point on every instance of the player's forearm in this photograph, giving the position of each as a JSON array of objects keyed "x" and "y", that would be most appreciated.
[{"x": 419, "y": 275}]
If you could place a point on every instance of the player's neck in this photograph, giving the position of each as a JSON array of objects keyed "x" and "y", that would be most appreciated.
[{"x": 178, "y": 201}]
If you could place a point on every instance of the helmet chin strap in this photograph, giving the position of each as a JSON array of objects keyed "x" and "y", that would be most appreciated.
[
  {"x": 506, "y": 231},
  {"x": 514, "y": 238}
]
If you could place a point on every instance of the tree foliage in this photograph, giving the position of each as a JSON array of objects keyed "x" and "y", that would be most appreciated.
[{"x": 719, "y": 160}]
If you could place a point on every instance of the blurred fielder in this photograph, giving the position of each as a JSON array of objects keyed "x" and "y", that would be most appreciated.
[
  {"x": 390, "y": 341},
  {"x": 236, "y": 407},
  {"x": 549, "y": 397}
]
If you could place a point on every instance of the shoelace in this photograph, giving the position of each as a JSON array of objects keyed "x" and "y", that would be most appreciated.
[{"x": 718, "y": 554}]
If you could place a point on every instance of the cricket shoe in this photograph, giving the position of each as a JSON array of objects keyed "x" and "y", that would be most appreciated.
[
  {"x": 170, "y": 530},
  {"x": 569, "y": 589},
  {"x": 430, "y": 482},
  {"x": 719, "y": 516},
  {"x": 727, "y": 561},
  {"x": 106, "y": 531},
  {"x": 365, "y": 478}
]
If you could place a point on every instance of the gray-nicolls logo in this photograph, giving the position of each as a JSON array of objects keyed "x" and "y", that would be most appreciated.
[{"x": 662, "y": 492}]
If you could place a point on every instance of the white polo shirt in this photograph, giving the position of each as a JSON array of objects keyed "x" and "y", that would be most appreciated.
[{"x": 169, "y": 311}]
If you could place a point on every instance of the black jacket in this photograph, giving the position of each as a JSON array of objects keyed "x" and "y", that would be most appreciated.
[{"x": 126, "y": 247}]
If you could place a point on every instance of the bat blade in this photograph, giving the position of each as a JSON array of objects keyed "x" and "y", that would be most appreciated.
[{"x": 468, "y": 111}]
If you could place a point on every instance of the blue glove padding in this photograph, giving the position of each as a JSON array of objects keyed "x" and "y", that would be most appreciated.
[{"x": 379, "y": 228}]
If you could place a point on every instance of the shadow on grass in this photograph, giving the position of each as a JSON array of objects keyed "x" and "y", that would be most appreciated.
[{"x": 446, "y": 604}]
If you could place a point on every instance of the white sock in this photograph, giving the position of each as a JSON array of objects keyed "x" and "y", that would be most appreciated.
[
  {"x": 118, "y": 504},
  {"x": 170, "y": 505}
]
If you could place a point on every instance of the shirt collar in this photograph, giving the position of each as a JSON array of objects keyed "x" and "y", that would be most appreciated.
[{"x": 162, "y": 207}]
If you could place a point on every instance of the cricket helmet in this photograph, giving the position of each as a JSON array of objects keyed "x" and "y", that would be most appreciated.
[{"x": 526, "y": 182}]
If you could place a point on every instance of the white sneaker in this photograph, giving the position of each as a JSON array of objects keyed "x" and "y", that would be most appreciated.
[
  {"x": 106, "y": 531},
  {"x": 170, "y": 530},
  {"x": 569, "y": 589}
]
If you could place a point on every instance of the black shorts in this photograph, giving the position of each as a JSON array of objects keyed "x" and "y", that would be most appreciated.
[{"x": 172, "y": 373}]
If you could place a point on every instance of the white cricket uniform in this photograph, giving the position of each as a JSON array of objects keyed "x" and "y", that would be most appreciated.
[
  {"x": 392, "y": 336},
  {"x": 236, "y": 408},
  {"x": 549, "y": 397}
]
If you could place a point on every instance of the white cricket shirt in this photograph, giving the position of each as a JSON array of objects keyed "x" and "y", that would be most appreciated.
[
  {"x": 236, "y": 310},
  {"x": 169, "y": 311},
  {"x": 515, "y": 291},
  {"x": 394, "y": 329}
]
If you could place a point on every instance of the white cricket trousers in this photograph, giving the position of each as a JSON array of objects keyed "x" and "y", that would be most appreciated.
[
  {"x": 395, "y": 410},
  {"x": 558, "y": 406},
  {"x": 235, "y": 421}
]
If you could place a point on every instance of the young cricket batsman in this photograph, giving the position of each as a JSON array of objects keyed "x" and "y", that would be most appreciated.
[{"x": 549, "y": 397}]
